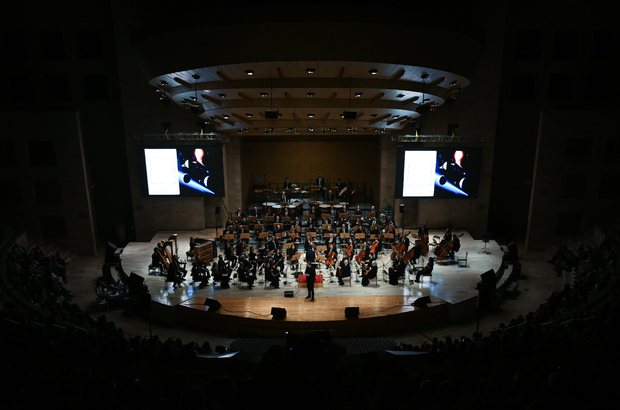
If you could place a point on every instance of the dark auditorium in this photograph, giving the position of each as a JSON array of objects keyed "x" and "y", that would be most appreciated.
[{"x": 395, "y": 205}]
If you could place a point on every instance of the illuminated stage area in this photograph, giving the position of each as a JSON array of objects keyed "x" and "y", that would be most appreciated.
[{"x": 383, "y": 308}]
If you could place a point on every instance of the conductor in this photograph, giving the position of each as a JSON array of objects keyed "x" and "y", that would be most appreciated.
[{"x": 310, "y": 272}]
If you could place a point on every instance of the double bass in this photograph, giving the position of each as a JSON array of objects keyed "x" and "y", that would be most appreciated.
[{"x": 443, "y": 249}]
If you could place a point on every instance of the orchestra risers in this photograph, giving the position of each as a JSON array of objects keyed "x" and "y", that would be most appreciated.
[{"x": 252, "y": 318}]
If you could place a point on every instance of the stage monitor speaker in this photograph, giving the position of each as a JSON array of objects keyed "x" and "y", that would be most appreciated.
[
  {"x": 217, "y": 210},
  {"x": 289, "y": 294},
  {"x": 213, "y": 304},
  {"x": 278, "y": 313},
  {"x": 351, "y": 312},
  {"x": 349, "y": 115},
  {"x": 402, "y": 208},
  {"x": 422, "y": 302}
]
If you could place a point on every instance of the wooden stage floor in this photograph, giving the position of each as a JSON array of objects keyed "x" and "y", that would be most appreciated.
[{"x": 450, "y": 285}]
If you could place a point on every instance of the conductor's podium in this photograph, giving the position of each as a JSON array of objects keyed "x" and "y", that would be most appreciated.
[{"x": 318, "y": 282}]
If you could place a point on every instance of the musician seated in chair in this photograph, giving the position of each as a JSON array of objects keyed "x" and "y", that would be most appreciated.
[
  {"x": 175, "y": 273},
  {"x": 456, "y": 246},
  {"x": 330, "y": 196},
  {"x": 397, "y": 270},
  {"x": 370, "y": 274},
  {"x": 344, "y": 271},
  {"x": 221, "y": 273},
  {"x": 272, "y": 276},
  {"x": 244, "y": 275},
  {"x": 427, "y": 270}
]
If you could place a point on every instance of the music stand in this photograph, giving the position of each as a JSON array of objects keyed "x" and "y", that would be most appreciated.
[
  {"x": 236, "y": 219},
  {"x": 325, "y": 216},
  {"x": 244, "y": 236},
  {"x": 263, "y": 235},
  {"x": 321, "y": 248},
  {"x": 287, "y": 245},
  {"x": 343, "y": 216},
  {"x": 360, "y": 236}
]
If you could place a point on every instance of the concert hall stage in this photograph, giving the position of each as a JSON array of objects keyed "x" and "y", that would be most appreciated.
[{"x": 384, "y": 309}]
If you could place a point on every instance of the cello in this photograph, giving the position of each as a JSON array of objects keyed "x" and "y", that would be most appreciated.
[
  {"x": 374, "y": 246},
  {"x": 360, "y": 256},
  {"x": 329, "y": 261}
]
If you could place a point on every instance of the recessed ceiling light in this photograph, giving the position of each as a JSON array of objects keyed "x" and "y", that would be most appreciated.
[
  {"x": 427, "y": 99},
  {"x": 193, "y": 98},
  {"x": 311, "y": 115},
  {"x": 400, "y": 96},
  {"x": 263, "y": 94},
  {"x": 164, "y": 83},
  {"x": 373, "y": 115},
  {"x": 310, "y": 70},
  {"x": 358, "y": 94},
  {"x": 249, "y": 72},
  {"x": 453, "y": 83},
  {"x": 248, "y": 114},
  {"x": 196, "y": 76},
  {"x": 222, "y": 95},
  {"x": 310, "y": 95},
  {"x": 373, "y": 71},
  {"x": 226, "y": 116},
  {"x": 395, "y": 116},
  {"x": 311, "y": 129}
]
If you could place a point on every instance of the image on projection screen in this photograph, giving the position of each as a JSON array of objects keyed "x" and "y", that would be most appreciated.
[
  {"x": 162, "y": 173},
  {"x": 419, "y": 173}
]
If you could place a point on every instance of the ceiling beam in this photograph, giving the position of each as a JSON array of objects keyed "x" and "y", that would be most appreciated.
[
  {"x": 224, "y": 77},
  {"x": 247, "y": 98},
  {"x": 378, "y": 119},
  {"x": 398, "y": 74},
  {"x": 410, "y": 100},
  {"x": 241, "y": 118},
  {"x": 222, "y": 119},
  {"x": 288, "y": 98},
  {"x": 211, "y": 99},
  {"x": 333, "y": 97},
  {"x": 296, "y": 117},
  {"x": 280, "y": 73},
  {"x": 376, "y": 98},
  {"x": 183, "y": 82},
  {"x": 325, "y": 118},
  {"x": 340, "y": 74}
]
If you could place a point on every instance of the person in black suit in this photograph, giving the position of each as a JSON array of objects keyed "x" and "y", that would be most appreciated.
[
  {"x": 287, "y": 184},
  {"x": 320, "y": 181},
  {"x": 344, "y": 271},
  {"x": 310, "y": 278},
  {"x": 244, "y": 276},
  {"x": 240, "y": 212}
]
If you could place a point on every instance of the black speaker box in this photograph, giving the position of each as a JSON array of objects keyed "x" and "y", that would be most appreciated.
[
  {"x": 422, "y": 302},
  {"x": 351, "y": 312},
  {"x": 213, "y": 304},
  {"x": 402, "y": 208},
  {"x": 349, "y": 115},
  {"x": 272, "y": 114},
  {"x": 278, "y": 313},
  {"x": 217, "y": 210},
  {"x": 289, "y": 294}
]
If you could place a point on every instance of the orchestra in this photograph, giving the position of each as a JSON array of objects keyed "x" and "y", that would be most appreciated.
[{"x": 300, "y": 233}]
